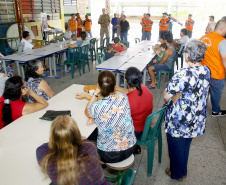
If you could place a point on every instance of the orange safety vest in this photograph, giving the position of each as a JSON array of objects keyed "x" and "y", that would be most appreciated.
[
  {"x": 212, "y": 56},
  {"x": 188, "y": 23},
  {"x": 73, "y": 24},
  {"x": 147, "y": 22},
  {"x": 164, "y": 21},
  {"x": 88, "y": 24},
  {"x": 79, "y": 25}
]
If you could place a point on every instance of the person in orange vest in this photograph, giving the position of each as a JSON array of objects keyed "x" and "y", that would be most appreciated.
[
  {"x": 189, "y": 25},
  {"x": 80, "y": 22},
  {"x": 72, "y": 23},
  {"x": 215, "y": 59},
  {"x": 142, "y": 20},
  {"x": 88, "y": 23},
  {"x": 147, "y": 27},
  {"x": 164, "y": 24}
]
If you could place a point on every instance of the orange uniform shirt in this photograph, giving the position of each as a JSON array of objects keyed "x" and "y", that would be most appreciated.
[
  {"x": 88, "y": 24},
  {"x": 79, "y": 22},
  {"x": 147, "y": 23},
  {"x": 189, "y": 23},
  {"x": 73, "y": 24},
  {"x": 164, "y": 21},
  {"x": 212, "y": 56}
]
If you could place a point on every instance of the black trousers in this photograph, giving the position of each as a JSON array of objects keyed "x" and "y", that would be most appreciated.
[{"x": 114, "y": 31}]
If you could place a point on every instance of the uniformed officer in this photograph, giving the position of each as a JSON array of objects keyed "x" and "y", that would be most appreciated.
[{"x": 104, "y": 21}]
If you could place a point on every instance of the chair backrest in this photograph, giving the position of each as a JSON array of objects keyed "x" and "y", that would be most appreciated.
[
  {"x": 84, "y": 51},
  {"x": 174, "y": 60},
  {"x": 129, "y": 177},
  {"x": 182, "y": 50},
  {"x": 150, "y": 130},
  {"x": 92, "y": 43},
  {"x": 106, "y": 41},
  {"x": 137, "y": 40},
  {"x": 100, "y": 57},
  {"x": 73, "y": 54},
  {"x": 126, "y": 43},
  {"x": 104, "y": 51}
]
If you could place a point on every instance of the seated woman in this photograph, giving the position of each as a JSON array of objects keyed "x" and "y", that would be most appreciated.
[
  {"x": 12, "y": 104},
  {"x": 140, "y": 100},
  {"x": 68, "y": 158},
  {"x": 116, "y": 139},
  {"x": 81, "y": 42},
  {"x": 33, "y": 72}
]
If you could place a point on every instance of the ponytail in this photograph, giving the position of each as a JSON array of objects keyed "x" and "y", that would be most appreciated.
[{"x": 107, "y": 82}]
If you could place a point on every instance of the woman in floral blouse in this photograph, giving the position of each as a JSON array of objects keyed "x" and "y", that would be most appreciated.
[
  {"x": 116, "y": 139},
  {"x": 186, "y": 118}
]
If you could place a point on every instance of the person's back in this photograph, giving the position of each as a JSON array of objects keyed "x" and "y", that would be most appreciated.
[{"x": 141, "y": 106}]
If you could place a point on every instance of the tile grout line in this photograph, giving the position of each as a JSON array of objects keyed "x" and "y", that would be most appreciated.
[{"x": 221, "y": 134}]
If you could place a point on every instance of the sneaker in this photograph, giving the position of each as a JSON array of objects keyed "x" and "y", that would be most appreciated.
[{"x": 221, "y": 113}]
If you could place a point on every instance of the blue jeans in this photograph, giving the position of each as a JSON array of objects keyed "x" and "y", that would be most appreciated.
[
  {"x": 178, "y": 153},
  {"x": 146, "y": 35},
  {"x": 162, "y": 32},
  {"x": 159, "y": 67},
  {"x": 89, "y": 32},
  {"x": 216, "y": 87},
  {"x": 124, "y": 36},
  {"x": 74, "y": 32},
  {"x": 189, "y": 34}
]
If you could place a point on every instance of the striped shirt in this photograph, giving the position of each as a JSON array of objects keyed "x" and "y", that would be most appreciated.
[{"x": 94, "y": 173}]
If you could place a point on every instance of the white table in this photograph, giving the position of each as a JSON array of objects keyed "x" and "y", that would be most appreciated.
[{"x": 20, "y": 139}]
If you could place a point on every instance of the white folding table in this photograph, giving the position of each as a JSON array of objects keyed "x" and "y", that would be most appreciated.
[{"x": 20, "y": 139}]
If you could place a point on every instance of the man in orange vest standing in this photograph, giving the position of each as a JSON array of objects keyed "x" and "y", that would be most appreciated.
[
  {"x": 79, "y": 20},
  {"x": 72, "y": 23},
  {"x": 164, "y": 24},
  {"x": 147, "y": 27},
  {"x": 215, "y": 59},
  {"x": 189, "y": 25},
  {"x": 87, "y": 24}
]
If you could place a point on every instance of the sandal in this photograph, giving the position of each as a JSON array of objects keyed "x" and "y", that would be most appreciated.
[{"x": 150, "y": 87}]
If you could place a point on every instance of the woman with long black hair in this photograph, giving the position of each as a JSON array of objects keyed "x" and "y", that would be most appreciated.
[{"x": 12, "y": 103}]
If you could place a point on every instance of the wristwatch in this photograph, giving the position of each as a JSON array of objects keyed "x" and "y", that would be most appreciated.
[{"x": 96, "y": 95}]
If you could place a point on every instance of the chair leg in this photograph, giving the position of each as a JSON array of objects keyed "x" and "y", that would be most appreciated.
[
  {"x": 182, "y": 58},
  {"x": 150, "y": 151},
  {"x": 72, "y": 71},
  {"x": 159, "y": 79},
  {"x": 160, "y": 146},
  {"x": 79, "y": 67},
  {"x": 64, "y": 70},
  {"x": 119, "y": 174}
]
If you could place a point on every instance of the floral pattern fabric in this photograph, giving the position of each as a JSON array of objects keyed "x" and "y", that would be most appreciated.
[
  {"x": 115, "y": 126},
  {"x": 187, "y": 118}
]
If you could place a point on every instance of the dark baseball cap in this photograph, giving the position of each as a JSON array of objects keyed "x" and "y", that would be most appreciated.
[
  {"x": 212, "y": 16},
  {"x": 165, "y": 13}
]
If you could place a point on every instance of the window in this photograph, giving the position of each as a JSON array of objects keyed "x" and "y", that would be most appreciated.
[
  {"x": 31, "y": 9},
  {"x": 73, "y": 2},
  {"x": 7, "y": 11}
]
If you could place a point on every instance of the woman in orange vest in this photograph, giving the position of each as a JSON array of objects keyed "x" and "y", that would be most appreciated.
[
  {"x": 87, "y": 23},
  {"x": 164, "y": 24},
  {"x": 189, "y": 25},
  {"x": 72, "y": 23},
  {"x": 79, "y": 20}
]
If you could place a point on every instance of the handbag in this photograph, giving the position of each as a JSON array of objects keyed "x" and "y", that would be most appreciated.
[{"x": 50, "y": 115}]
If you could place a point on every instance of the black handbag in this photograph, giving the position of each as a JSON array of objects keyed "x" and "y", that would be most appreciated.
[{"x": 50, "y": 115}]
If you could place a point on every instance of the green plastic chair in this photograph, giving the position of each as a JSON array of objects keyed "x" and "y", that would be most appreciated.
[
  {"x": 84, "y": 57},
  {"x": 126, "y": 43},
  {"x": 104, "y": 51},
  {"x": 171, "y": 72},
  {"x": 55, "y": 40},
  {"x": 150, "y": 135},
  {"x": 99, "y": 56},
  {"x": 181, "y": 55},
  {"x": 137, "y": 40},
  {"x": 129, "y": 177},
  {"x": 73, "y": 56},
  {"x": 92, "y": 49},
  {"x": 104, "y": 45}
]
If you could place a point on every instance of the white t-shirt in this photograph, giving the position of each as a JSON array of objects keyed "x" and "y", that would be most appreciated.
[
  {"x": 211, "y": 26},
  {"x": 67, "y": 34},
  {"x": 27, "y": 44},
  {"x": 183, "y": 41},
  {"x": 73, "y": 42}
]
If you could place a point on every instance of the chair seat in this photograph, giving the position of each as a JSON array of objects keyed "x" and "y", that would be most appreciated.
[{"x": 125, "y": 164}]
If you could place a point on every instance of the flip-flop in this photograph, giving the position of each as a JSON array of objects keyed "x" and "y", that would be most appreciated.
[{"x": 150, "y": 87}]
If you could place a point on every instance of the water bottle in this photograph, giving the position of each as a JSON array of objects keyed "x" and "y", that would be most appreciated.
[{"x": 20, "y": 48}]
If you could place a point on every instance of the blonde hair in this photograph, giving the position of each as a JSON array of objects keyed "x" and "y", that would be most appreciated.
[{"x": 64, "y": 145}]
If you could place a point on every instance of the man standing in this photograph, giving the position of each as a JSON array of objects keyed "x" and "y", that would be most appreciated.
[
  {"x": 211, "y": 25},
  {"x": 171, "y": 24},
  {"x": 142, "y": 20},
  {"x": 215, "y": 59},
  {"x": 189, "y": 25},
  {"x": 118, "y": 24},
  {"x": 124, "y": 24},
  {"x": 79, "y": 21},
  {"x": 184, "y": 39},
  {"x": 147, "y": 27},
  {"x": 114, "y": 26},
  {"x": 88, "y": 23},
  {"x": 104, "y": 21},
  {"x": 72, "y": 23},
  {"x": 164, "y": 24}
]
